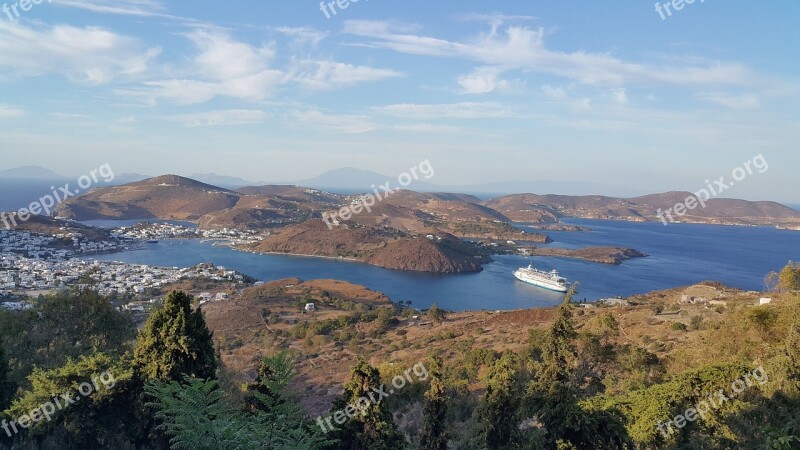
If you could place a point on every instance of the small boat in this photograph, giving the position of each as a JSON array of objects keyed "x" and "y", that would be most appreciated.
[
  {"x": 152, "y": 241},
  {"x": 548, "y": 280}
]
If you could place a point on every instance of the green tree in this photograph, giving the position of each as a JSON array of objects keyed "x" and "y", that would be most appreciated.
[
  {"x": 67, "y": 324},
  {"x": 6, "y": 385},
  {"x": 267, "y": 391},
  {"x": 375, "y": 428},
  {"x": 558, "y": 351},
  {"x": 787, "y": 280},
  {"x": 436, "y": 314},
  {"x": 554, "y": 394},
  {"x": 175, "y": 341},
  {"x": 433, "y": 433},
  {"x": 197, "y": 415},
  {"x": 763, "y": 318},
  {"x": 498, "y": 412},
  {"x": 792, "y": 348},
  {"x": 100, "y": 412}
]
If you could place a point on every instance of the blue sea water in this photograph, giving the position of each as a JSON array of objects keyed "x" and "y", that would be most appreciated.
[{"x": 680, "y": 254}]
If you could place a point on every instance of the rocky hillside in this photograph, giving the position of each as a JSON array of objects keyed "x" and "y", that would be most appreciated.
[
  {"x": 380, "y": 246},
  {"x": 548, "y": 208}
]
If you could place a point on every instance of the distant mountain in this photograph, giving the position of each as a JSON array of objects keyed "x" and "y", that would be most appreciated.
[
  {"x": 31, "y": 173},
  {"x": 180, "y": 198},
  {"x": 173, "y": 197},
  {"x": 545, "y": 208},
  {"x": 224, "y": 180}
]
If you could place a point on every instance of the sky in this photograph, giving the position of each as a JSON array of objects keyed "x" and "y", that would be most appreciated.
[{"x": 494, "y": 91}]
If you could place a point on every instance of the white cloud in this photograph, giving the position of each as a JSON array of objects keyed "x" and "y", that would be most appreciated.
[
  {"x": 557, "y": 93},
  {"x": 90, "y": 54},
  {"x": 347, "y": 124},
  {"x": 463, "y": 110},
  {"x": 139, "y": 8},
  {"x": 522, "y": 48},
  {"x": 732, "y": 101},
  {"x": 222, "y": 67},
  {"x": 482, "y": 80},
  {"x": 620, "y": 96},
  {"x": 323, "y": 75},
  {"x": 303, "y": 35},
  {"x": 10, "y": 112},
  {"x": 430, "y": 128},
  {"x": 222, "y": 117}
]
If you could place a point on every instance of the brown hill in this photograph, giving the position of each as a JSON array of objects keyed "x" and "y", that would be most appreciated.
[
  {"x": 164, "y": 197},
  {"x": 446, "y": 207},
  {"x": 548, "y": 208},
  {"x": 380, "y": 246},
  {"x": 175, "y": 197}
]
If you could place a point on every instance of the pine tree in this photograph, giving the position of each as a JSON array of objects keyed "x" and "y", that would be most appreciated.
[
  {"x": 6, "y": 386},
  {"x": 554, "y": 396},
  {"x": 375, "y": 428},
  {"x": 175, "y": 341},
  {"x": 433, "y": 434},
  {"x": 793, "y": 348},
  {"x": 559, "y": 349},
  {"x": 499, "y": 411}
]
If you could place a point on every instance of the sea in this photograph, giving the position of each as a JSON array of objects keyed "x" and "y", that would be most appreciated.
[{"x": 679, "y": 255}]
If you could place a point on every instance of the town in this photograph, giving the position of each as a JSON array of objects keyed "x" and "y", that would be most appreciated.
[{"x": 34, "y": 262}]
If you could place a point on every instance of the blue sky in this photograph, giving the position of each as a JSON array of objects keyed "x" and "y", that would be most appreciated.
[{"x": 487, "y": 91}]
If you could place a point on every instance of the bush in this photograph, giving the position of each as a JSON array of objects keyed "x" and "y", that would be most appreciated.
[{"x": 679, "y": 326}]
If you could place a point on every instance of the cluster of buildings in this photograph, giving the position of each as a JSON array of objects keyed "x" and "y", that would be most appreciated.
[
  {"x": 59, "y": 246},
  {"x": 34, "y": 262},
  {"x": 159, "y": 230}
]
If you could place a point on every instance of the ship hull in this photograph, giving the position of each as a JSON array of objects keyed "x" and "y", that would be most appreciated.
[{"x": 542, "y": 284}]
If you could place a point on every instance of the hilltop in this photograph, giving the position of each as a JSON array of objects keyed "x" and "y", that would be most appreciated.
[
  {"x": 550, "y": 208},
  {"x": 380, "y": 246},
  {"x": 258, "y": 207}
]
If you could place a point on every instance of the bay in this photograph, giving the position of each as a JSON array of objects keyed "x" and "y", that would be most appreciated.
[{"x": 680, "y": 254}]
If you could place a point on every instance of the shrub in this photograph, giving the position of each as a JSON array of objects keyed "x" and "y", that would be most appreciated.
[{"x": 679, "y": 326}]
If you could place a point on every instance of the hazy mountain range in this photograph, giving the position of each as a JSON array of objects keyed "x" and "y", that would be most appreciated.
[{"x": 349, "y": 180}]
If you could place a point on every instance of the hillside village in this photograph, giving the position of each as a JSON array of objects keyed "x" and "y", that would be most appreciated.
[{"x": 32, "y": 261}]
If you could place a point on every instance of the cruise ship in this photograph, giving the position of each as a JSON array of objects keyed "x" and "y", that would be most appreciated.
[{"x": 548, "y": 280}]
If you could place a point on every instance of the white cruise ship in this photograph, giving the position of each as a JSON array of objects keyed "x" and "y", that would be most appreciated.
[{"x": 548, "y": 280}]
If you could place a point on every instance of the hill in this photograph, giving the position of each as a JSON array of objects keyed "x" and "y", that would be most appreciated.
[
  {"x": 549, "y": 208},
  {"x": 379, "y": 246}
]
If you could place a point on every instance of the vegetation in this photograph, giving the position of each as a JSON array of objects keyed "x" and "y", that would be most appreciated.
[
  {"x": 581, "y": 381},
  {"x": 6, "y": 385},
  {"x": 175, "y": 342},
  {"x": 373, "y": 428},
  {"x": 787, "y": 280},
  {"x": 436, "y": 314},
  {"x": 433, "y": 434}
]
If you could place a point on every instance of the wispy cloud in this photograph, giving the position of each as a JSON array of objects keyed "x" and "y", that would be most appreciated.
[
  {"x": 463, "y": 110},
  {"x": 222, "y": 117},
  {"x": 222, "y": 66},
  {"x": 522, "y": 48},
  {"x": 324, "y": 75},
  {"x": 10, "y": 112},
  {"x": 347, "y": 124},
  {"x": 138, "y": 8},
  {"x": 732, "y": 101},
  {"x": 86, "y": 54}
]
